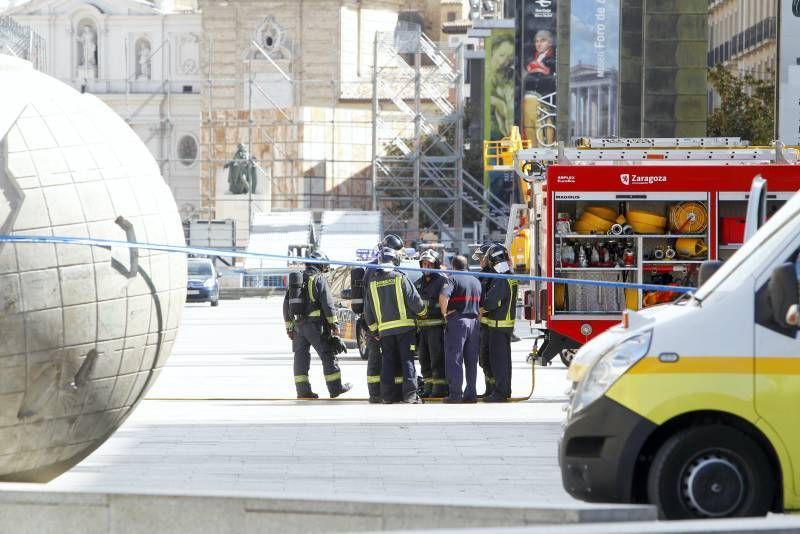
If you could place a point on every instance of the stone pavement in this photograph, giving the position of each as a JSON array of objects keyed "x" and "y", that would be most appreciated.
[{"x": 484, "y": 453}]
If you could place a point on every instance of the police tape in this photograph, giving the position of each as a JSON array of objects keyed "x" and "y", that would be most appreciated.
[{"x": 223, "y": 253}]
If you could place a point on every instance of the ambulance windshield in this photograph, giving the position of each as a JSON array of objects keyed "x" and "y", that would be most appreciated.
[{"x": 785, "y": 222}]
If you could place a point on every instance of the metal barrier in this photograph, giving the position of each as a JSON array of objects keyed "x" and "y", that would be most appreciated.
[{"x": 271, "y": 281}]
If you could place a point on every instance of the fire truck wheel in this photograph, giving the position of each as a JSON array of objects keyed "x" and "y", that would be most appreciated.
[
  {"x": 567, "y": 355},
  {"x": 710, "y": 471}
]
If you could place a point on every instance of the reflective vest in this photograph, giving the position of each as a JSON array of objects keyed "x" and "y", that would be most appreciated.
[{"x": 501, "y": 304}]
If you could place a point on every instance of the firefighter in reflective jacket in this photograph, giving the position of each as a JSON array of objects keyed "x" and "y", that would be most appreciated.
[
  {"x": 483, "y": 353},
  {"x": 373, "y": 346},
  {"x": 498, "y": 314},
  {"x": 430, "y": 343},
  {"x": 312, "y": 327},
  {"x": 390, "y": 305}
]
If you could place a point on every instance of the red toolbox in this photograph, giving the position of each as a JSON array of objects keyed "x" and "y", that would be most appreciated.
[{"x": 732, "y": 230}]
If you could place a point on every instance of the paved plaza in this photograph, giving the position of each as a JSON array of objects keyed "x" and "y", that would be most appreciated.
[{"x": 445, "y": 453}]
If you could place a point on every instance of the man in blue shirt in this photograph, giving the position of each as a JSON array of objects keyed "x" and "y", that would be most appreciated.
[{"x": 459, "y": 301}]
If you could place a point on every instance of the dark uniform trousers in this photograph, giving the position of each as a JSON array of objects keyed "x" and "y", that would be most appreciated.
[
  {"x": 484, "y": 360},
  {"x": 500, "y": 359},
  {"x": 430, "y": 350},
  {"x": 397, "y": 350},
  {"x": 307, "y": 334},
  {"x": 461, "y": 347},
  {"x": 374, "y": 360}
]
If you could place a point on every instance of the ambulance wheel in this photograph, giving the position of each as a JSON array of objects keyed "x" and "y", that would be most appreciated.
[
  {"x": 567, "y": 356},
  {"x": 709, "y": 472},
  {"x": 361, "y": 341}
]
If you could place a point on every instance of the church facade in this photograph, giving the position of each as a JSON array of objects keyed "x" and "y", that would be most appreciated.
[{"x": 143, "y": 60}]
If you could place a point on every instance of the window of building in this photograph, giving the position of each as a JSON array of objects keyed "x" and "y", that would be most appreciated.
[
  {"x": 451, "y": 16},
  {"x": 187, "y": 150}
]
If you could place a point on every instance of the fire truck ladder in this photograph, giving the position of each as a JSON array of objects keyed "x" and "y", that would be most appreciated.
[{"x": 531, "y": 162}]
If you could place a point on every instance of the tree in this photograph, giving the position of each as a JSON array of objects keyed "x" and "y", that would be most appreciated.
[{"x": 747, "y": 107}]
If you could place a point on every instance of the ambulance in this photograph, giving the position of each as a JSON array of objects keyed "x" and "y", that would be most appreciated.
[{"x": 693, "y": 406}]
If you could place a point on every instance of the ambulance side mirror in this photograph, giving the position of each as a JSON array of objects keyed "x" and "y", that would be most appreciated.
[
  {"x": 783, "y": 293},
  {"x": 707, "y": 270}
]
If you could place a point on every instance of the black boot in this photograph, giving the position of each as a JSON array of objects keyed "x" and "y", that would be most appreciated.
[
  {"x": 440, "y": 389},
  {"x": 427, "y": 389},
  {"x": 304, "y": 391},
  {"x": 413, "y": 398},
  {"x": 489, "y": 388},
  {"x": 336, "y": 388}
]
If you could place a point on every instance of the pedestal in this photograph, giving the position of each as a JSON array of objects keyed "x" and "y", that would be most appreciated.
[{"x": 241, "y": 208}]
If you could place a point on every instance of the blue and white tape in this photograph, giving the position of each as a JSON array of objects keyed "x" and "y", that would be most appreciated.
[{"x": 183, "y": 249}]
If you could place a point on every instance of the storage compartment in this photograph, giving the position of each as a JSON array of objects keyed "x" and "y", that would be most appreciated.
[
  {"x": 731, "y": 230},
  {"x": 659, "y": 238}
]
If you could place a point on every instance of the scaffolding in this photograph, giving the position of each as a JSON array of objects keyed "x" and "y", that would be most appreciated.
[
  {"x": 417, "y": 135},
  {"x": 388, "y": 137},
  {"x": 20, "y": 41}
]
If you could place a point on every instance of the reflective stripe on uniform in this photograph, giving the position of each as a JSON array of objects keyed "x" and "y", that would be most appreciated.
[
  {"x": 289, "y": 325},
  {"x": 388, "y": 325},
  {"x": 333, "y": 376},
  {"x": 490, "y": 380},
  {"x": 430, "y": 322},
  {"x": 401, "y": 302},
  {"x": 314, "y": 313},
  {"x": 299, "y": 379},
  {"x": 413, "y": 347},
  {"x": 331, "y": 320},
  {"x": 311, "y": 288},
  {"x": 398, "y": 380},
  {"x": 508, "y": 322},
  {"x": 485, "y": 320},
  {"x": 500, "y": 324},
  {"x": 373, "y": 379},
  {"x": 373, "y": 290}
]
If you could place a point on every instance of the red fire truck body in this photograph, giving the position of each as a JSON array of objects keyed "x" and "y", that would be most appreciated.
[{"x": 572, "y": 241}]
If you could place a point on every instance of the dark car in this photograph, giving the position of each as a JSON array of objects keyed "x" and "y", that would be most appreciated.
[{"x": 203, "y": 281}]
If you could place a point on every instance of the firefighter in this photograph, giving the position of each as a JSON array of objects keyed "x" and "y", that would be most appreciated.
[
  {"x": 391, "y": 304},
  {"x": 499, "y": 311},
  {"x": 373, "y": 347},
  {"x": 311, "y": 324},
  {"x": 483, "y": 354},
  {"x": 460, "y": 304},
  {"x": 430, "y": 338}
]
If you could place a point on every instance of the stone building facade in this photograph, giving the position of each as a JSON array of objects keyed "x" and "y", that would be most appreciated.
[
  {"x": 742, "y": 35},
  {"x": 292, "y": 80},
  {"x": 143, "y": 60}
]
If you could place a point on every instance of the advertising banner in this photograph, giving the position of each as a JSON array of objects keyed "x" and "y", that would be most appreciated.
[
  {"x": 498, "y": 117},
  {"x": 536, "y": 53},
  {"x": 594, "y": 68},
  {"x": 789, "y": 73}
]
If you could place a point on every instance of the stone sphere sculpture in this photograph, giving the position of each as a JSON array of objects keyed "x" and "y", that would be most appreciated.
[{"x": 84, "y": 329}]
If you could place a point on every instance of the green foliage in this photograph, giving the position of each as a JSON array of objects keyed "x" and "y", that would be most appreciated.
[{"x": 747, "y": 108}]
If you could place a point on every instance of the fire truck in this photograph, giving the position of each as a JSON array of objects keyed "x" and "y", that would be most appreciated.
[{"x": 641, "y": 211}]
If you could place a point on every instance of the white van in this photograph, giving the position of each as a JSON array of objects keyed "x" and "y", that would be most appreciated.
[{"x": 695, "y": 406}]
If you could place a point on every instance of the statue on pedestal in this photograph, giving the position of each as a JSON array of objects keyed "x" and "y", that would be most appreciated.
[
  {"x": 87, "y": 59},
  {"x": 241, "y": 172}
]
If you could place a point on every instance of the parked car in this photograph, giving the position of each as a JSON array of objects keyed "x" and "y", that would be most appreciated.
[
  {"x": 351, "y": 332},
  {"x": 202, "y": 281}
]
